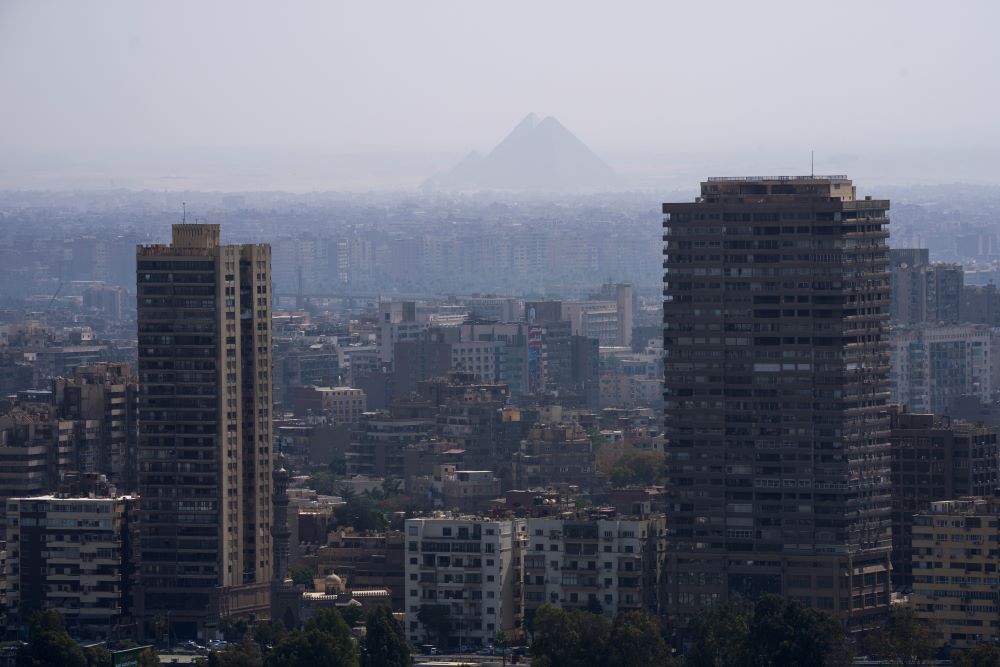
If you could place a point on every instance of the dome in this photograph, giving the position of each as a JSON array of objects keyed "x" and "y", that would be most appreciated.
[{"x": 334, "y": 584}]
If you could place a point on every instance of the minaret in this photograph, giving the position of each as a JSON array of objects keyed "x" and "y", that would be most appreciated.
[
  {"x": 286, "y": 600},
  {"x": 279, "y": 525}
]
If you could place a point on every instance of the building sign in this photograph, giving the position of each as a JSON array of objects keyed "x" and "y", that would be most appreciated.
[{"x": 130, "y": 657}]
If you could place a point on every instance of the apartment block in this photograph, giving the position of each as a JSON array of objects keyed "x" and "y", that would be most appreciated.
[
  {"x": 555, "y": 454},
  {"x": 933, "y": 365},
  {"x": 607, "y": 565},
  {"x": 71, "y": 555},
  {"x": 956, "y": 585},
  {"x": 104, "y": 394},
  {"x": 935, "y": 458},
  {"x": 464, "y": 570},
  {"x": 379, "y": 441}
]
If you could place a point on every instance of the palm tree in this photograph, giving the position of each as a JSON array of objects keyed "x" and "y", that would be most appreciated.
[
  {"x": 500, "y": 643},
  {"x": 391, "y": 486}
]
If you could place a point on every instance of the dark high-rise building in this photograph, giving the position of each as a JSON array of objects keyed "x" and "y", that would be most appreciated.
[
  {"x": 204, "y": 444},
  {"x": 776, "y": 382},
  {"x": 934, "y": 458}
]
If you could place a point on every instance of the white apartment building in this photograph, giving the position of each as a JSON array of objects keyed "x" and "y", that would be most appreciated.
[
  {"x": 611, "y": 565},
  {"x": 465, "y": 569}
]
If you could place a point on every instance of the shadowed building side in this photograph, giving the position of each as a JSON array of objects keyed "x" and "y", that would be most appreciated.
[{"x": 776, "y": 298}]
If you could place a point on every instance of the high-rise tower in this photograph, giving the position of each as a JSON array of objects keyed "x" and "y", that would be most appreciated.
[
  {"x": 776, "y": 379},
  {"x": 204, "y": 444}
]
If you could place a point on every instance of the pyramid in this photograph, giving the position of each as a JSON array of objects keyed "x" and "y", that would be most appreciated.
[{"x": 537, "y": 156}]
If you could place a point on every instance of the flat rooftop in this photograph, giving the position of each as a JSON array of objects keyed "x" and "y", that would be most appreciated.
[{"x": 834, "y": 177}]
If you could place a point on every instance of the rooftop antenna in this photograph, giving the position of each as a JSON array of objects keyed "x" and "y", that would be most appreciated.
[
  {"x": 184, "y": 215},
  {"x": 812, "y": 164}
]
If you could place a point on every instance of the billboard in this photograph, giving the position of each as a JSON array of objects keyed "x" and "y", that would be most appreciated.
[{"x": 129, "y": 657}]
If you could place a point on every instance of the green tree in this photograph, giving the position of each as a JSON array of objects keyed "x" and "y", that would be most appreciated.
[
  {"x": 903, "y": 639},
  {"x": 269, "y": 633},
  {"x": 234, "y": 628},
  {"x": 352, "y": 614},
  {"x": 244, "y": 654},
  {"x": 718, "y": 635},
  {"x": 568, "y": 638},
  {"x": 338, "y": 466},
  {"x": 788, "y": 633},
  {"x": 97, "y": 656},
  {"x": 322, "y": 481},
  {"x": 385, "y": 643},
  {"x": 983, "y": 655},
  {"x": 636, "y": 640},
  {"x": 501, "y": 644},
  {"x": 314, "y": 648},
  {"x": 149, "y": 658},
  {"x": 302, "y": 575},
  {"x": 554, "y": 637},
  {"x": 436, "y": 619},
  {"x": 360, "y": 513},
  {"x": 643, "y": 468},
  {"x": 767, "y": 633},
  {"x": 391, "y": 486},
  {"x": 49, "y": 644}
]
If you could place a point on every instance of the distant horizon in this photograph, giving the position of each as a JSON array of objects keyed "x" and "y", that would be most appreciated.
[{"x": 250, "y": 170}]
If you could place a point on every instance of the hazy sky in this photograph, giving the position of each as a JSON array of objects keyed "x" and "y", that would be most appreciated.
[{"x": 191, "y": 84}]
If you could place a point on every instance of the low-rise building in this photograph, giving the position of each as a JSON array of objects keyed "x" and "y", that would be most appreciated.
[
  {"x": 367, "y": 560},
  {"x": 340, "y": 405},
  {"x": 452, "y": 488}
]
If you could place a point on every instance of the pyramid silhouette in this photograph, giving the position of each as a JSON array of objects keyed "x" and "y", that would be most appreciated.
[{"x": 537, "y": 156}]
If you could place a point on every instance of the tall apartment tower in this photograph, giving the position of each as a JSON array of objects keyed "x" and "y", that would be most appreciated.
[
  {"x": 204, "y": 444},
  {"x": 776, "y": 382}
]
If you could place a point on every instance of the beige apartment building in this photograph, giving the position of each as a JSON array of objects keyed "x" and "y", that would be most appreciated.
[
  {"x": 340, "y": 405},
  {"x": 955, "y": 581},
  {"x": 204, "y": 445}
]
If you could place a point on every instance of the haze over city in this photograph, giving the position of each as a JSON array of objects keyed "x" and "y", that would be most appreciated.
[
  {"x": 347, "y": 96},
  {"x": 563, "y": 334}
]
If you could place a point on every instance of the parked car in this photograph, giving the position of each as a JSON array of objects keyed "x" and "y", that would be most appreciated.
[{"x": 190, "y": 645}]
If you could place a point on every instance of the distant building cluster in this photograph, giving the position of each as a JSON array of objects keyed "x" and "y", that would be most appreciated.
[{"x": 234, "y": 435}]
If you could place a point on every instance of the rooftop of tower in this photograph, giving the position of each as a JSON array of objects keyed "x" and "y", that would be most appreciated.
[
  {"x": 799, "y": 187},
  {"x": 748, "y": 179}
]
